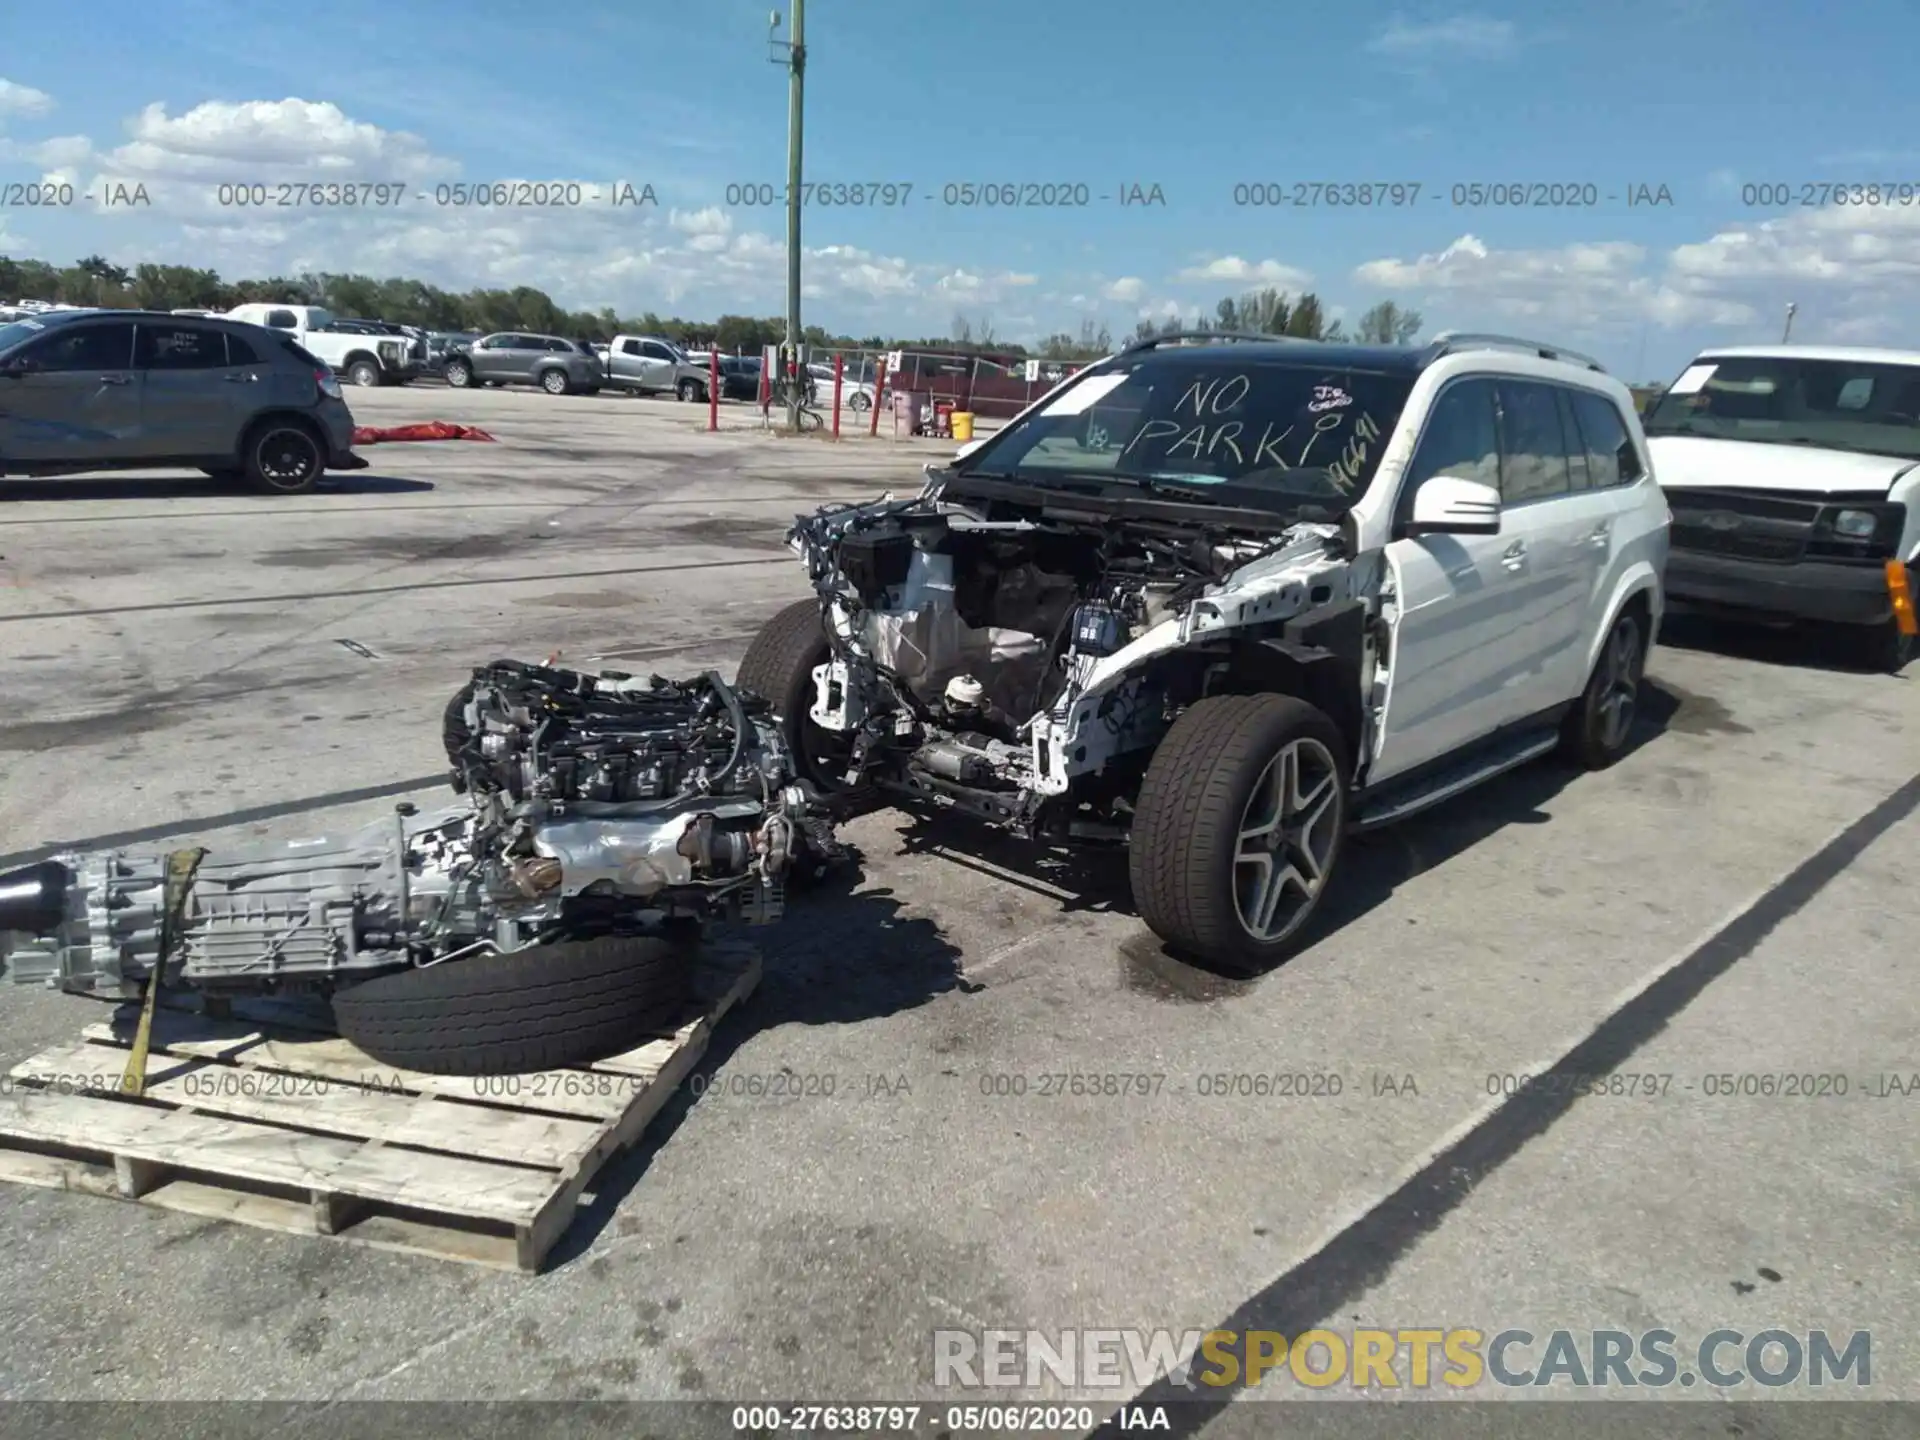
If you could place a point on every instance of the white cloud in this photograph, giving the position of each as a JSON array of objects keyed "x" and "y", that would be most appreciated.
[
  {"x": 61, "y": 152},
  {"x": 1869, "y": 247},
  {"x": 1587, "y": 286},
  {"x": 977, "y": 288},
  {"x": 270, "y": 139},
  {"x": 1853, "y": 271},
  {"x": 1456, "y": 35},
  {"x": 1232, "y": 270},
  {"x": 18, "y": 99},
  {"x": 707, "y": 230},
  {"x": 1127, "y": 289}
]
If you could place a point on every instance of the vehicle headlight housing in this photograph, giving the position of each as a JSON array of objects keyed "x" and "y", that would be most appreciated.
[
  {"x": 1855, "y": 524},
  {"x": 1862, "y": 530}
]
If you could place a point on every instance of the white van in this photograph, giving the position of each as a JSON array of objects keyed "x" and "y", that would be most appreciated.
[{"x": 1793, "y": 474}]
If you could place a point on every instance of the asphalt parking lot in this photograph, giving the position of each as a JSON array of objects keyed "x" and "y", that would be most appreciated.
[{"x": 181, "y": 661}]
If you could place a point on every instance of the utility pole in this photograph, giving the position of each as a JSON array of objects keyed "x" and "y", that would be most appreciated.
[
  {"x": 1784, "y": 334},
  {"x": 796, "y": 62}
]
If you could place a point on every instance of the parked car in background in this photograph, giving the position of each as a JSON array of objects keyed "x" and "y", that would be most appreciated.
[
  {"x": 1793, "y": 472},
  {"x": 443, "y": 343},
  {"x": 649, "y": 365},
  {"x": 855, "y": 393},
  {"x": 513, "y": 357},
  {"x": 89, "y": 390},
  {"x": 739, "y": 377},
  {"x": 363, "y": 359}
]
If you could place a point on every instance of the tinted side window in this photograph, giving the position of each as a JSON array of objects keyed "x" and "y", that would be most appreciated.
[
  {"x": 1460, "y": 440},
  {"x": 85, "y": 347},
  {"x": 239, "y": 352},
  {"x": 178, "y": 347},
  {"x": 1576, "y": 451},
  {"x": 653, "y": 350},
  {"x": 1533, "y": 449},
  {"x": 1611, "y": 458},
  {"x": 283, "y": 320},
  {"x": 630, "y": 347}
]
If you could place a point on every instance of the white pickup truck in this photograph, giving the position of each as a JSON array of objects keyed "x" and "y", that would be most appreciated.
[{"x": 360, "y": 358}]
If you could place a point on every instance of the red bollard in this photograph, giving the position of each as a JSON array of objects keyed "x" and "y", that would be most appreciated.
[
  {"x": 713, "y": 387},
  {"x": 839, "y": 365},
  {"x": 879, "y": 385}
]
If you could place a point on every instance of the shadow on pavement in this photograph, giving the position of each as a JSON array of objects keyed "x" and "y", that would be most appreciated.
[
  {"x": 1372, "y": 867},
  {"x": 843, "y": 955},
  {"x": 197, "y": 487},
  {"x": 1803, "y": 647}
]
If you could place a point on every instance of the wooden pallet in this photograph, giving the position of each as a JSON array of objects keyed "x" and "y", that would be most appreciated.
[{"x": 265, "y": 1119}]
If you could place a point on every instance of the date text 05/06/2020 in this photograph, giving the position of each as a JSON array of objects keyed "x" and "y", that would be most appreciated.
[{"x": 1459, "y": 195}]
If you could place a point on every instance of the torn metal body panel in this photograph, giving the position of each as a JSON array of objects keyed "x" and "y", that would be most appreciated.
[{"x": 1020, "y": 659}]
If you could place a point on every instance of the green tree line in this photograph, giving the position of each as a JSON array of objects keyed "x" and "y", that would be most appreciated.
[{"x": 97, "y": 281}]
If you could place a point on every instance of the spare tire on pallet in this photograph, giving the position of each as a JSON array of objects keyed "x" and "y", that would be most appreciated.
[{"x": 566, "y": 1003}]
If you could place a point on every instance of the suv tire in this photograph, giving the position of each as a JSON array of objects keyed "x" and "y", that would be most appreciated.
[
  {"x": 778, "y": 667},
  {"x": 555, "y": 382},
  {"x": 1238, "y": 828},
  {"x": 365, "y": 373},
  {"x": 689, "y": 390},
  {"x": 284, "y": 456},
  {"x": 1597, "y": 729},
  {"x": 566, "y": 1003},
  {"x": 459, "y": 374}
]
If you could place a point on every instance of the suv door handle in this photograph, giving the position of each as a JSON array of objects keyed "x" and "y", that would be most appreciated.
[
  {"x": 116, "y": 379},
  {"x": 1515, "y": 557},
  {"x": 1601, "y": 534},
  {"x": 247, "y": 379}
]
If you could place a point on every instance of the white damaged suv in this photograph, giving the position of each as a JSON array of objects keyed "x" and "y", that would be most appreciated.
[{"x": 1225, "y": 599}]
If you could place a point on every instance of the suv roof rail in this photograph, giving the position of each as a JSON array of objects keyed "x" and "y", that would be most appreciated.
[
  {"x": 1450, "y": 342},
  {"x": 1246, "y": 336}
]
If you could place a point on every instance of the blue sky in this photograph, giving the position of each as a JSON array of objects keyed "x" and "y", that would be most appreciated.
[{"x": 1703, "y": 97}]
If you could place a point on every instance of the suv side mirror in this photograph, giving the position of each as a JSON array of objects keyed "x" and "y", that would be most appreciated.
[{"x": 1449, "y": 505}]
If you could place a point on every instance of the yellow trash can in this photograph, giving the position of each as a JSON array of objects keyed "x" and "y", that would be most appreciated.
[{"x": 962, "y": 423}]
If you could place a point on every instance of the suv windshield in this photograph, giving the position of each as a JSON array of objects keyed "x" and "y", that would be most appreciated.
[
  {"x": 1260, "y": 433},
  {"x": 1871, "y": 408}
]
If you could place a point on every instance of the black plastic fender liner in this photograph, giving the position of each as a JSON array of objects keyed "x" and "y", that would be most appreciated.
[
  {"x": 33, "y": 899},
  {"x": 565, "y": 1003}
]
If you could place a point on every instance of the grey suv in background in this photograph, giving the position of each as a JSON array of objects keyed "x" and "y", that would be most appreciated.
[
  {"x": 512, "y": 357},
  {"x": 141, "y": 390},
  {"x": 648, "y": 365}
]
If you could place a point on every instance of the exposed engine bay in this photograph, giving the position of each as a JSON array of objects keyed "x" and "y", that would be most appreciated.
[
  {"x": 1022, "y": 662},
  {"x": 593, "y": 805}
]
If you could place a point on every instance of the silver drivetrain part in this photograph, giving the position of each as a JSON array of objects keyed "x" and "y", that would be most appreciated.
[{"x": 593, "y": 805}]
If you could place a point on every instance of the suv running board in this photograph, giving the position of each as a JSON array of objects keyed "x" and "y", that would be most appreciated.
[{"x": 1397, "y": 803}]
